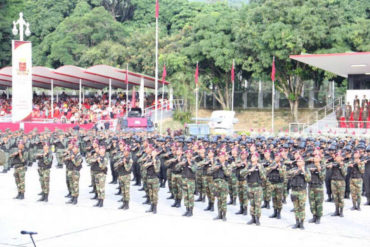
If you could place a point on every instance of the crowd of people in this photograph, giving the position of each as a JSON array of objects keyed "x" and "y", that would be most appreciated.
[
  {"x": 354, "y": 116},
  {"x": 93, "y": 108},
  {"x": 254, "y": 171}
]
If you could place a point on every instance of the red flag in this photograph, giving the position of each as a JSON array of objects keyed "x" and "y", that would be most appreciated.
[
  {"x": 164, "y": 74},
  {"x": 196, "y": 75},
  {"x": 273, "y": 70},
  {"x": 126, "y": 79},
  {"x": 133, "y": 98},
  {"x": 156, "y": 9},
  {"x": 232, "y": 73}
]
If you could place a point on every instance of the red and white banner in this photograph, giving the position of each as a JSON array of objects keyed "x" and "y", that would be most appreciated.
[{"x": 22, "y": 80}]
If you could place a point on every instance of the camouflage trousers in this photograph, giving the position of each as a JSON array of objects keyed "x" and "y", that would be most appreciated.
[
  {"x": 356, "y": 189},
  {"x": 277, "y": 193},
  {"x": 221, "y": 191},
  {"x": 208, "y": 185},
  {"x": 153, "y": 188},
  {"x": 316, "y": 199},
  {"x": 266, "y": 192},
  {"x": 198, "y": 181},
  {"x": 74, "y": 180},
  {"x": 20, "y": 176},
  {"x": 255, "y": 198},
  {"x": 299, "y": 201},
  {"x": 177, "y": 186},
  {"x": 169, "y": 179},
  {"x": 188, "y": 188},
  {"x": 144, "y": 179},
  {"x": 337, "y": 189},
  {"x": 242, "y": 193},
  {"x": 124, "y": 183},
  {"x": 7, "y": 161},
  {"x": 92, "y": 175},
  {"x": 44, "y": 180},
  {"x": 233, "y": 187},
  {"x": 100, "y": 185}
]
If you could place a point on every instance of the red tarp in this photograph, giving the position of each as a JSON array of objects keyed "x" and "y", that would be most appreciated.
[{"x": 11, "y": 126}]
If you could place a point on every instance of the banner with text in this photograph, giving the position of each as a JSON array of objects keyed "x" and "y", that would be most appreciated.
[{"x": 22, "y": 80}]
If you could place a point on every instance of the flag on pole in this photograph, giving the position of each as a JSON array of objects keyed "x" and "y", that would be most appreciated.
[
  {"x": 126, "y": 79},
  {"x": 196, "y": 75},
  {"x": 273, "y": 69},
  {"x": 232, "y": 73},
  {"x": 164, "y": 74},
  {"x": 133, "y": 100},
  {"x": 156, "y": 9}
]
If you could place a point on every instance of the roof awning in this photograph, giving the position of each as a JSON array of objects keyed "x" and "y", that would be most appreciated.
[
  {"x": 341, "y": 64},
  {"x": 69, "y": 76}
]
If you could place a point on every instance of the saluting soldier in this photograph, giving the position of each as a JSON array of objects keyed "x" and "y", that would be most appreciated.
[
  {"x": 188, "y": 170},
  {"x": 19, "y": 164},
  {"x": 74, "y": 167},
  {"x": 255, "y": 174},
  {"x": 276, "y": 174},
  {"x": 299, "y": 179},
  {"x": 123, "y": 167},
  {"x": 152, "y": 167},
  {"x": 241, "y": 182},
  {"x": 316, "y": 190},
  {"x": 45, "y": 160},
  {"x": 100, "y": 176},
  {"x": 357, "y": 171},
  {"x": 220, "y": 172}
]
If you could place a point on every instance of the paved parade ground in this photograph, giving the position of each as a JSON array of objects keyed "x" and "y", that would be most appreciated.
[{"x": 59, "y": 224}]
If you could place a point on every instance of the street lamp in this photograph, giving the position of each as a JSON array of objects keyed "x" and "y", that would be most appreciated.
[{"x": 21, "y": 23}]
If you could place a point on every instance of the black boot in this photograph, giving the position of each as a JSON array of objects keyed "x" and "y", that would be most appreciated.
[
  {"x": 93, "y": 191},
  {"x": 278, "y": 214},
  {"x": 341, "y": 212},
  {"x": 46, "y": 199},
  {"x": 71, "y": 200},
  {"x": 358, "y": 205},
  {"x": 147, "y": 201},
  {"x": 264, "y": 204},
  {"x": 99, "y": 204},
  {"x": 219, "y": 216},
  {"x": 241, "y": 211},
  {"x": 336, "y": 213},
  {"x": 297, "y": 224},
  {"x": 120, "y": 200},
  {"x": 187, "y": 212},
  {"x": 200, "y": 197},
  {"x": 274, "y": 214},
  {"x": 313, "y": 220},
  {"x": 91, "y": 185},
  {"x": 141, "y": 189},
  {"x": 150, "y": 209},
  {"x": 301, "y": 226},
  {"x": 268, "y": 205},
  {"x": 212, "y": 207},
  {"x": 368, "y": 201},
  {"x": 74, "y": 200},
  {"x": 234, "y": 201},
  {"x": 170, "y": 197},
  {"x": 223, "y": 214},
  {"x": 245, "y": 210},
  {"x": 317, "y": 219},
  {"x": 17, "y": 197},
  {"x": 252, "y": 221},
  {"x": 190, "y": 212},
  {"x": 40, "y": 194},
  {"x": 346, "y": 195},
  {"x": 175, "y": 203},
  {"x": 155, "y": 209},
  {"x": 231, "y": 201},
  {"x": 257, "y": 221},
  {"x": 68, "y": 195},
  {"x": 163, "y": 184},
  {"x": 123, "y": 205},
  {"x": 354, "y": 207},
  {"x": 95, "y": 197},
  {"x": 42, "y": 198},
  {"x": 118, "y": 193},
  {"x": 330, "y": 199},
  {"x": 126, "y": 205},
  {"x": 21, "y": 196},
  {"x": 178, "y": 205},
  {"x": 284, "y": 199}
]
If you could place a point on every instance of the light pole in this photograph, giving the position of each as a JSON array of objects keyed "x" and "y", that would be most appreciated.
[{"x": 21, "y": 23}]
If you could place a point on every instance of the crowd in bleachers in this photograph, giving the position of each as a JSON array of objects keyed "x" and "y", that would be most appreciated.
[{"x": 356, "y": 115}]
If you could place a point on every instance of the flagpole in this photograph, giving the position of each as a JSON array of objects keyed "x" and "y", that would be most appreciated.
[
  {"x": 156, "y": 65},
  {"x": 127, "y": 91},
  {"x": 233, "y": 88},
  {"x": 273, "y": 96},
  {"x": 196, "y": 101},
  {"x": 162, "y": 106}
]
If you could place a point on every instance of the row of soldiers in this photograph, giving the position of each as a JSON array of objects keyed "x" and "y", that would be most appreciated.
[{"x": 252, "y": 170}]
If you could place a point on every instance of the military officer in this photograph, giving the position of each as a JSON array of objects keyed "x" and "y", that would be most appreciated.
[
  {"x": 45, "y": 160},
  {"x": 19, "y": 164},
  {"x": 152, "y": 167},
  {"x": 74, "y": 166},
  {"x": 123, "y": 167},
  {"x": 357, "y": 171},
  {"x": 316, "y": 190}
]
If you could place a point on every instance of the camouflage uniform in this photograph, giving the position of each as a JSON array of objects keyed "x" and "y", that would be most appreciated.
[
  {"x": 299, "y": 182},
  {"x": 316, "y": 192},
  {"x": 276, "y": 178},
  {"x": 152, "y": 171},
  {"x": 6, "y": 148},
  {"x": 356, "y": 183},
  {"x": 74, "y": 168},
  {"x": 60, "y": 146},
  {"x": 208, "y": 182},
  {"x": 254, "y": 181},
  {"x": 100, "y": 176},
  {"x": 188, "y": 171},
  {"x": 232, "y": 185},
  {"x": 177, "y": 182},
  {"x": 242, "y": 187},
  {"x": 338, "y": 184},
  {"x": 19, "y": 165},
  {"x": 45, "y": 163},
  {"x": 124, "y": 176}
]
